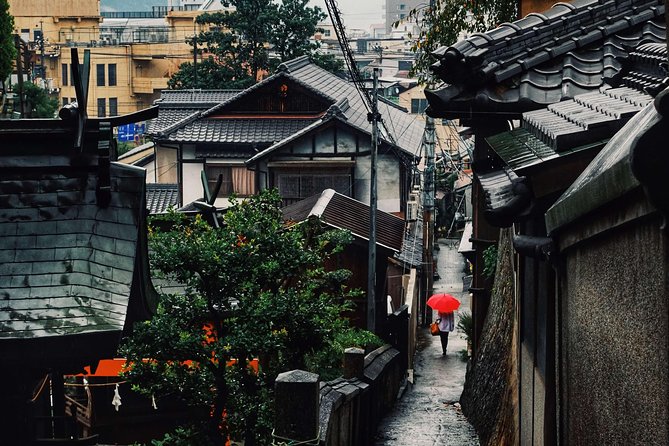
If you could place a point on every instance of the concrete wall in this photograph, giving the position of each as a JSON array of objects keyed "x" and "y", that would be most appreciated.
[{"x": 615, "y": 329}]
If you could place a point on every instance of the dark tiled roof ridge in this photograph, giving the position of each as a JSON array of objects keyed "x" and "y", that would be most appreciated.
[
  {"x": 490, "y": 55},
  {"x": 294, "y": 64}
]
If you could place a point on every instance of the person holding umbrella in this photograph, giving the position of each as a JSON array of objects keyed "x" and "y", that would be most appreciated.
[{"x": 445, "y": 304}]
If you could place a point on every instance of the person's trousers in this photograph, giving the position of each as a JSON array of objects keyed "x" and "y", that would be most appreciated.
[{"x": 443, "y": 335}]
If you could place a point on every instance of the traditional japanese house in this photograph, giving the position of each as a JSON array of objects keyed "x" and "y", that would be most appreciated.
[
  {"x": 301, "y": 130},
  {"x": 73, "y": 264},
  {"x": 342, "y": 212}
]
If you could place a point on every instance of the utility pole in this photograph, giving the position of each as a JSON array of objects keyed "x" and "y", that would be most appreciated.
[
  {"x": 428, "y": 210},
  {"x": 194, "y": 55},
  {"x": 41, "y": 47},
  {"x": 19, "y": 70},
  {"x": 374, "y": 118}
]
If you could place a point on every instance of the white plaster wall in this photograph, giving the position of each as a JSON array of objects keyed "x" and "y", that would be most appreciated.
[
  {"x": 192, "y": 183},
  {"x": 388, "y": 182}
]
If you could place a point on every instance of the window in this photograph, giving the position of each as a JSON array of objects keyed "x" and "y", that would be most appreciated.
[
  {"x": 64, "y": 74},
  {"x": 297, "y": 186},
  {"x": 111, "y": 71},
  {"x": 418, "y": 105},
  {"x": 326, "y": 32},
  {"x": 102, "y": 106},
  {"x": 402, "y": 17},
  {"x": 65, "y": 101},
  {"x": 401, "y": 6},
  {"x": 100, "y": 74},
  {"x": 236, "y": 179},
  {"x": 113, "y": 107}
]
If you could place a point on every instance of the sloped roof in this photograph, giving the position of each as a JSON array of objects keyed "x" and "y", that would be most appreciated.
[
  {"x": 570, "y": 49},
  {"x": 569, "y": 132},
  {"x": 161, "y": 197},
  {"x": 342, "y": 212},
  {"x": 402, "y": 129},
  {"x": 619, "y": 168},
  {"x": 177, "y": 105},
  {"x": 260, "y": 130},
  {"x": 67, "y": 264}
]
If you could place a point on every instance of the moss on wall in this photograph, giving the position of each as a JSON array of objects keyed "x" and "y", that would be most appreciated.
[{"x": 489, "y": 399}]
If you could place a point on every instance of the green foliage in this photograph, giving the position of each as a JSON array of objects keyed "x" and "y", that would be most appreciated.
[
  {"x": 327, "y": 362},
  {"x": 7, "y": 49},
  {"x": 295, "y": 25},
  {"x": 235, "y": 46},
  {"x": 253, "y": 289},
  {"x": 466, "y": 325},
  {"x": 38, "y": 103},
  {"x": 490, "y": 261},
  {"x": 442, "y": 23}
]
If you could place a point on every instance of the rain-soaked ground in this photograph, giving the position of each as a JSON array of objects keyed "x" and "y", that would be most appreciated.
[{"x": 428, "y": 413}]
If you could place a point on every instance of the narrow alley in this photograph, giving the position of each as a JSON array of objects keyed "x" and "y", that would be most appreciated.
[{"x": 428, "y": 413}]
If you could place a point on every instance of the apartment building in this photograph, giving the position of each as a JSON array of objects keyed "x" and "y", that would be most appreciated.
[{"x": 132, "y": 57}]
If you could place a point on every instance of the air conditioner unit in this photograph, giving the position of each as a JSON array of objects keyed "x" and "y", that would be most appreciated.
[
  {"x": 412, "y": 211},
  {"x": 412, "y": 207}
]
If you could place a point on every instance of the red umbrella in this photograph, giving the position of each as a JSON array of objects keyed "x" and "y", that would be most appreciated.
[{"x": 443, "y": 302}]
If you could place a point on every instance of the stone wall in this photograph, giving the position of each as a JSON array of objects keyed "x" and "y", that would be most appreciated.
[
  {"x": 489, "y": 398},
  {"x": 614, "y": 318},
  {"x": 352, "y": 408}
]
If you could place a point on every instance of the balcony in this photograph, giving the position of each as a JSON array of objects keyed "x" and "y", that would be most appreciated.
[{"x": 148, "y": 85}]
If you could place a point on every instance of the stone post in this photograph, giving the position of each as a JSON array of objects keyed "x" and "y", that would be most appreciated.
[
  {"x": 354, "y": 363},
  {"x": 297, "y": 395}
]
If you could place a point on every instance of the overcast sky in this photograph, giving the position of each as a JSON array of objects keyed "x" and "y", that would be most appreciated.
[{"x": 357, "y": 13}]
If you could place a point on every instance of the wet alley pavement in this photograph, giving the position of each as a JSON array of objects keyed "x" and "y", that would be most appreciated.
[{"x": 428, "y": 413}]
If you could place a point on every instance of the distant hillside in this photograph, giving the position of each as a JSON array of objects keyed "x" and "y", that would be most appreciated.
[{"x": 130, "y": 5}]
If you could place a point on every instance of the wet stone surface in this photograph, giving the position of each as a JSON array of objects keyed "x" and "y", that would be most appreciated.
[{"x": 428, "y": 413}]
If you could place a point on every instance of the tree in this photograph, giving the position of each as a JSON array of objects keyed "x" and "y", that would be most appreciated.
[
  {"x": 235, "y": 45},
  {"x": 295, "y": 25},
  {"x": 253, "y": 289},
  {"x": 442, "y": 23},
  {"x": 38, "y": 103},
  {"x": 7, "y": 49}
]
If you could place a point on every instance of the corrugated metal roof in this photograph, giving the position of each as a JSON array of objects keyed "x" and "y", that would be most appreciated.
[{"x": 343, "y": 212}]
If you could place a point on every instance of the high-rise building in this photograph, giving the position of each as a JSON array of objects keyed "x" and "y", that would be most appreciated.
[
  {"x": 398, "y": 10},
  {"x": 132, "y": 54}
]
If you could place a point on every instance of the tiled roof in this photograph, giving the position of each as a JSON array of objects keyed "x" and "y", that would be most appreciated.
[
  {"x": 343, "y": 212},
  {"x": 587, "y": 118},
  {"x": 576, "y": 128},
  {"x": 541, "y": 59},
  {"x": 66, "y": 264},
  {"x": 195, "y": 96},
  {"x": 161, "y": 197},
  {"x": 521, "y": 150},
  {"x": 256, "y": 130},
  {"x": 176, "y": 105},
  {"x": 400, "y": 127},
  {"x": 618, "y": 169},
  {"x": 167, "y": 117}
]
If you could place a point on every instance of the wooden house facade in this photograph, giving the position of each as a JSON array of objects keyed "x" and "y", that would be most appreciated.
[{"x": 301, "y": 130}]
